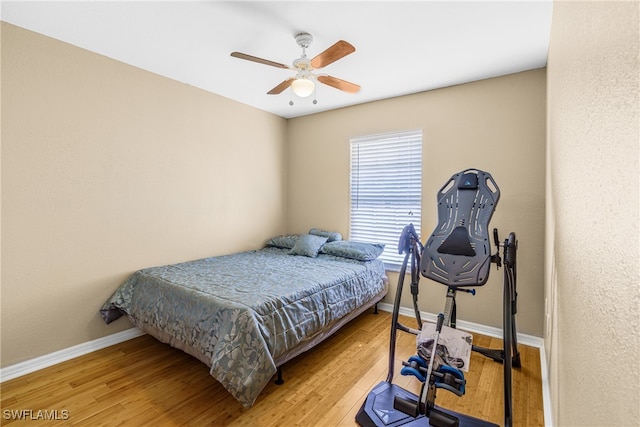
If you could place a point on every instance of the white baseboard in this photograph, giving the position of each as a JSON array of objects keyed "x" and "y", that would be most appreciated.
[
  {"x": 529, "y": 340},
  {"x": 32, "y": 365},
  {"x": 546, "y": 389}
]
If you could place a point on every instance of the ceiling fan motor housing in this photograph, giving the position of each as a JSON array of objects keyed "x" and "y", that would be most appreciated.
[{"x": 302, "y": 64}]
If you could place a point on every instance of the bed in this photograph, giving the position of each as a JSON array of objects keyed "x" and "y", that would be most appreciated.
[{"x": 247, "y": 313}]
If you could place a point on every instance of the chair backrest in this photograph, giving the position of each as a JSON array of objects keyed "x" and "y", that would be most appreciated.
[{"x": 458, "y": 252}]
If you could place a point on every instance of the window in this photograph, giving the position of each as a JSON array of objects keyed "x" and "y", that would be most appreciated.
[{"x": 386, "y": 190}]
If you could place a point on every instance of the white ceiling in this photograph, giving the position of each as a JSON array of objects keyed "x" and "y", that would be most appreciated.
[{"x": 401, "y": 47}]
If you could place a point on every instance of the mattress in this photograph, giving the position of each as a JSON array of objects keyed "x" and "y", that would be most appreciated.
[{"x": 243, "y": 313}]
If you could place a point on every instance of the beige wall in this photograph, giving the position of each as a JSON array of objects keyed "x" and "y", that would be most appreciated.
[
  {"x": 497, "y": 125},
  {"x": 106, "y": 169},
  {"x": 592, "y": 277}
]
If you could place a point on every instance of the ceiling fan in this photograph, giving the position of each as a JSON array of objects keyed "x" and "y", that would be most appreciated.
[{"x": 302, "y": 83}]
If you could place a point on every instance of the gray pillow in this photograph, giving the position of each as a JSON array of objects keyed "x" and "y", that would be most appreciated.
[
  {"x": 332, "y": 236},
  {"x": 286, "y": 241},
  {"x": 308, "y": 245},
  {"x": 355, "y": 250}
]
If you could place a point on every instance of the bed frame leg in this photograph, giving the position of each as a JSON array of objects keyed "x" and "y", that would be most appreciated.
[
  {"x": 279, "y": 380},
  {"x": 375, "y": 308}
]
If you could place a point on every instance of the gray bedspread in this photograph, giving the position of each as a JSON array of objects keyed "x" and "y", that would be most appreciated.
[{"x": 238, "y": 313}]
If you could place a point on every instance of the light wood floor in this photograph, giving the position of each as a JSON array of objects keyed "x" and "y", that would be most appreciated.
[{"x": 143, "y": 382}]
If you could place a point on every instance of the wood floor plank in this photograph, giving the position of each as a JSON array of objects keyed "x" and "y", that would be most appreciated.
[{"x": 144, "y": 382}]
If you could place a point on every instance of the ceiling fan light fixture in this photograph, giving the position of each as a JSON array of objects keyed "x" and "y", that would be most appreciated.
[{"x": 303, "y": 87}]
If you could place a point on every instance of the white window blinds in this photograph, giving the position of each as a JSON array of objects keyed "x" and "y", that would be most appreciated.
[{"x": 386, "y": 189}]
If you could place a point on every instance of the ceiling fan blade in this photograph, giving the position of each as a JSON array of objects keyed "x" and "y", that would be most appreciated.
[
  {"x": 339, "y": 84},
  {"x": 339, "y": 50},
  {"x": 282, "y": 86},
  {"x": 258, "y": 60}
]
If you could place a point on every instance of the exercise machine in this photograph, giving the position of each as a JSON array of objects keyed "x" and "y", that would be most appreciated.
[{"x": 458, "y": 255}]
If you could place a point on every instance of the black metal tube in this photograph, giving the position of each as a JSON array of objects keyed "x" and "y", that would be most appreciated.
[
  {"x": 415, "y": 281},
  {"x": 394, "y": 317},
  {"x": 508, "y": 321}
]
